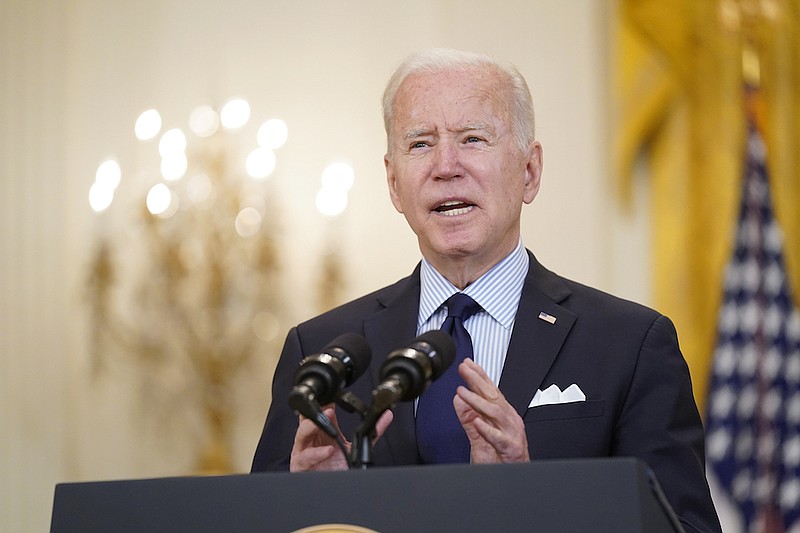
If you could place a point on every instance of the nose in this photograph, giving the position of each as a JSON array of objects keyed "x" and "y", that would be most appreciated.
[{"x": 447, "y": 161}]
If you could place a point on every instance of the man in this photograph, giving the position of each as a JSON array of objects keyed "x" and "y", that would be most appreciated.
[{"x": 462, "y": 159}]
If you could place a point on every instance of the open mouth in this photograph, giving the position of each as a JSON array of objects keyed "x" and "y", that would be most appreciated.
[{"x": 454, "y": 208}]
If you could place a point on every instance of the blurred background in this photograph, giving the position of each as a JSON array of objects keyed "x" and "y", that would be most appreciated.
[{"x": 181, "y": 182}]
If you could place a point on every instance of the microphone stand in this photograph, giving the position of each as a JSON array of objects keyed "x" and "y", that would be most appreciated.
[
  {"x": 361, "y": 452},
  {"x": 361, "y": 456}
]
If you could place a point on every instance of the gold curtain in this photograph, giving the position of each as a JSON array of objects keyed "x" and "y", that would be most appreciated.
[{"x": 680, "y": 111}]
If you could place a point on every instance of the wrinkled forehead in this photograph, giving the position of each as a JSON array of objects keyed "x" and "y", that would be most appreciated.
[{"x": 484, "y": 89}]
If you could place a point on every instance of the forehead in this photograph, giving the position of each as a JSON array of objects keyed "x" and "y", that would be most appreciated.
[{"x": 452, "y": 93}]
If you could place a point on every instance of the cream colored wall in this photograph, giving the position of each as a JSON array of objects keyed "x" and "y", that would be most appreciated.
[{"x": 75, "y": 75}]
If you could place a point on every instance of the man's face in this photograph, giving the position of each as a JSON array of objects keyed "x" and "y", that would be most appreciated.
[{"x": 454, "y": 168}]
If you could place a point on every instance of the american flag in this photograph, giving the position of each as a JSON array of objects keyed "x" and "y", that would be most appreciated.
[{"x": 753, "y": 419}]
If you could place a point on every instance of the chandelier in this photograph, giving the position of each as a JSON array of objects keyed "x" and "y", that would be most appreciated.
[{"x": 185, "y": 280}]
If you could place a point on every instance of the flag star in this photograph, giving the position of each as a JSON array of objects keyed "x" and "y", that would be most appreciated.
[
  {"x": 793, "y": 410},
  {"x": 747, "y": 402},
  {"x": 742, "y": 485},
  {"x": 773, "y": 319},
  {"x": 718, "y": 443},
  {"x": 793, "y": 327},
  {"x": 764, "y": 486},
  {"x": 770, "y": 403},
  {"x": 723, "y": 401},
  {"x": 792, "y": 372},
  {"x": 790, "y": 494},
  {"x": 748, "y": 360},
  {"x": 730, "y": 318},
  {"x": 750, "y": 317},
  {"x": 726, "y": 360},
  {"x": 773, "y": 360},
  {"x": 744, "y": 445},
  {"x": 773, "y": 279},
  {"x": 751, "y": 274},
  {"x": 773, "y": 238},
  {"x": 791, "y": 452}
]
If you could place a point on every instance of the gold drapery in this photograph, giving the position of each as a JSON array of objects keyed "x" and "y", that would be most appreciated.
[{"x": 679, "y": 90}]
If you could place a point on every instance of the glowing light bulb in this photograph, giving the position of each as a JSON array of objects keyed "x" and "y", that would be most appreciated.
[
  {"x": 100, "y": 197},
  {"x": 248, "y": 222},
  {"x": 331, "y": 202},
  {"x": 108, "y": 174},
  {"x": 174, "y": 167},
  {"x": 172, "y": 143},
  {"x": 200, "y": 190},
  {"x": 147, "y": 125},
  {"x": 235, "y": 114},
  {"x": 338, "y": 176},
  {"x": 273, "y": 133},
  {"x": 260, "y": 163},
  {"x": 204, "y": 121},
  {"x": 159, "y": 199}
]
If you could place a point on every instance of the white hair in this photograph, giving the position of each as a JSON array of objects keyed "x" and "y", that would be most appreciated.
[{"x": 441, "y": 59}]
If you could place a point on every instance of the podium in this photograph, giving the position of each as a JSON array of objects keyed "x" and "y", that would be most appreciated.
[{"x": 616, "y": 495}]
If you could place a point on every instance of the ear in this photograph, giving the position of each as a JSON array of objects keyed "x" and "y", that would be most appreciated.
[
  {"x": 533, "y": 172},
  {"x": 391, "y": 181}
]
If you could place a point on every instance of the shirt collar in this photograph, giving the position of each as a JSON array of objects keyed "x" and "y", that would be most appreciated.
[{"x": 497, "y": 291}]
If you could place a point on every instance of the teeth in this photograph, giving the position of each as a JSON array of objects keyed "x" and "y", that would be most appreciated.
[
  {"x": 454, "y": 208},
  {"x": 456, "y": 212}
]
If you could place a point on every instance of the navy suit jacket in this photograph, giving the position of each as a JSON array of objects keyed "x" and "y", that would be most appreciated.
[{"x": 624, "y": 357}]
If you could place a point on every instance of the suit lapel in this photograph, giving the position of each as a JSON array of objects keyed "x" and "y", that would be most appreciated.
[
  {"x": 535, "y": 342},
  {"x": 534, "y": 345},
  {"x": 385, "y": 331}
]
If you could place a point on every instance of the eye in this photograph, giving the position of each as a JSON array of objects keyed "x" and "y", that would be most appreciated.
[
  {"x": 473, "y": 139},
  {"x": 419, "y": 144}
]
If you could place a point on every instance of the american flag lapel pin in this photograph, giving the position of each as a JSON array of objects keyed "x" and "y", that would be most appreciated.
[{"x": 547, "y": 318}]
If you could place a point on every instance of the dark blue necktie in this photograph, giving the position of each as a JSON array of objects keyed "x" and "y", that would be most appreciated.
[{"x": 440, "y": 437}]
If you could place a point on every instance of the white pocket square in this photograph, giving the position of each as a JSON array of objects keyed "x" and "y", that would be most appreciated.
[{"x": 553, "y": 395}]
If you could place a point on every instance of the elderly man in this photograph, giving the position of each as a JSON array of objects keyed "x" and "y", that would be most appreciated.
[{"x": 553, "y": 369}]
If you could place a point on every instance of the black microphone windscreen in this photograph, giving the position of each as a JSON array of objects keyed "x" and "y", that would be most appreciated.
[
  {"x": 356, "y": 349},
  {"x": 443, "y": 344}
]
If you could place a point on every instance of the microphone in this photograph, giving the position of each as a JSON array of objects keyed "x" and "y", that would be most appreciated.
[
  {"x": 404, "y": 375},
  {"x": 322, "y": 376},
  {"x": 408, "y": 371}
]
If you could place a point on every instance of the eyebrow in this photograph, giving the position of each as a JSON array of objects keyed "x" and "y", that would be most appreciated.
[
  {"x": 476, "y": 126},
  {"x": 413, "y": 134}
]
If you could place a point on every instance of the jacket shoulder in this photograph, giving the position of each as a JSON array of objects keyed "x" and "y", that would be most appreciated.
[
  {"x": 350, "y": 316},
  {"x": 585, "y": 300}
]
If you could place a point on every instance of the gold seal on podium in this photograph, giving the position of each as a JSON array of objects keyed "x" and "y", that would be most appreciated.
[{"x": 335, "y": 528}]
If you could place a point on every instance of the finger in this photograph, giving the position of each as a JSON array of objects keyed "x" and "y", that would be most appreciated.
[
  {"x": 330, "y": 411},
  {"x": 314, "y": 433},
  {"x": 510, "y": 445},
  {"x": 489, "y": 432},
  {"x": 466, "y": 415},
  {"x": 491, "y": 409},
  {"x": 492, "y": 441},
  {"x": 472, "y": 366},
  {"x": 309, "y": 458},
  {"x": 383, "y": 423},
  {"x": 308, "y": 433},
  {"x": 477, "y": 380}
]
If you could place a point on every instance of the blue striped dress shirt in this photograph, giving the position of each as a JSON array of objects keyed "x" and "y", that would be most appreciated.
[{"x": 498, "y": 292}]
